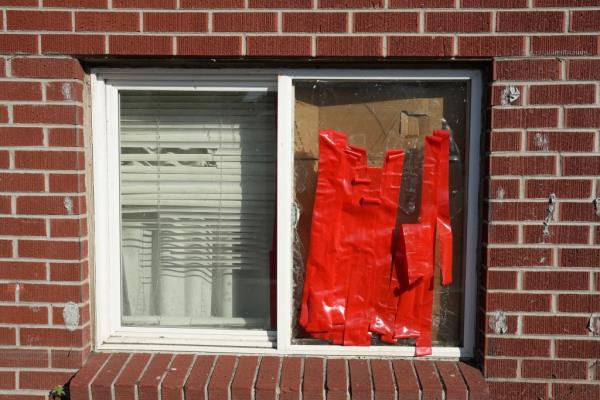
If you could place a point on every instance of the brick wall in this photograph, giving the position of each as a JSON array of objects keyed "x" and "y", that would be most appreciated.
[{"x": 538, "y": 291}]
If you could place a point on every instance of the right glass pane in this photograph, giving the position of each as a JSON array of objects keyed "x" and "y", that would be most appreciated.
[{"x": 375, "y": 179}]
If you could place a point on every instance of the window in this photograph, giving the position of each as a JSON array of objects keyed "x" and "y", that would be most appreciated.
[{"x": 204, "y": 195}]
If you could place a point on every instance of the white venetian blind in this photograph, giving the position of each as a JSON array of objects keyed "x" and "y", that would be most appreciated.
[{"x": 197, "y": 204}]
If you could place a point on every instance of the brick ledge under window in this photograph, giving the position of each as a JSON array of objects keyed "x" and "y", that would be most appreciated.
[{"x": 187, "y": 376}]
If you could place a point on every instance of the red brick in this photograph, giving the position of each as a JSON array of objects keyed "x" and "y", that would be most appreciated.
[
  {"x": 431, "y": 46},
  {"x": 21, "y": 182},
  {"x": 80, "y": 384},
  {"x": 500, "y": 368},
  {"x": 7, "y": 291},
  {"x": 578, "y": 212},
  {"x": 20, "y": 3},
  {"x": 560, "y": 141},
  {"x": 526, "y": 257},
  {"x": 6, "y": 248},
  {"x": 280, "y": 3},
  {"x": 243, "y": 383},
  {"x": 478, "y": 388},
  {"x": 386, "y": 22},
  {"x": 315, "y": 22},
  {"x": 222, "y": 375},
  {"x": 578, "y": 349},
  {"x": 267, "y": 379},
  {"x": 48, "y": 114},
  {"x": 554, "y": 369},
  {"x": 69, "y": 183},
  {"x": 3, "y": 115},
  {"x": 212, "y": 4},
  {"x": 2, "y": 67},
  {"x": 65, "y": 137},
  {"x": 18, "y": 43},
  {"x": 76, "y": 3},
  {"x": 584, "y": 69},
  {"x": 140, "y": 45},
  {"x": 421, "y": 3},
  {"x": 491, "y": 46},
  {"x": 47, "y": 68},
  {"x": 429, "y": 379},
  {"x": 501, "y": 279},
  {"x": 67, "y": 271},
  {"x": 144, "y": 3},
  {"x": 510, "y": 390},
  {"x": 502, "y": 233},
  {"x": 313, "y": 383},
  {"x": 50, "y": 293},
  {"x": 23, "y": 315},
  {"x": 24, "y": 358},
  {"x": 291, "y": 379},
  {"x": 18, "y": 136},
  {"x": 537, "y": 325},
  {"x": 244, "y": 22},
  {"x": 149, "y": 384},
  {"x": 493, "y": 3},
  {"x": 69, "y": 359},
  {"x": 42, "y": 379},
  {"x": 349, "y": 46},
  {"x": 337, "y": 379},
  {"x": 72, "y": 44},
  {"x": 15, "y": 270},
  {"x": 360, "y": 378},
  {"x": 518, "y": 347},
  {"x": 350, "y": 3},
  {"x": 68, "y": 227},
  {"x": 524, "y": 117},
  {"x": 563, "y": 188},
  {"x": 7, "y": 380},
  {"x": 567, "y": 3},
  {"x": 582, "y": 117},
  {"x": 505, "y": 141},
  {"x": 101, "y": 386},
  {"x": 451, "y": 22},
  {"x": 51, "y": 249},
  {"x": 580, "y": 257},
  {"x": 22, "y": 226},
  {"x": 125, "y": 385},
  {"x": 209, "y": 45},
  {"x": 20, "y": 91},
  {"x": 7, "y": 336},
  {"x": 175, "y": 22},
  {"x": 553, "y": 280},
  {"x": 5, "y": 206},
  {"x": 20, "y": 20},
  {"x": 107, "y": 22},
  {"x": 383, "y": 380},
  {"x": 452, "y": 379},
  {"x": 518, "y": 302},
  {"x": 51, "y": 205},
  {"x": 564, "y": 45},
  {"x": 64, "y": 91},
  {"x": 279, "y": 45},
  {"x": 523, "y": 165},
  {"x": 562, "y": 391},
  {"x": 562, "y": 94},
  {"x": 558, "y": 234},
  {"x": 533, "y": 21},
  {"x": 581, "y": 165},
  {"x": 195, "y": 387},
  {"x": 57, "y": 160},
  {"x": 504, "y": 189},
  {"x": 585, "y": 21}
]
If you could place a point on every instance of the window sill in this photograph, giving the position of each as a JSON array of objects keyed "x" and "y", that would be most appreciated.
[{"x": 186, "y": 376}]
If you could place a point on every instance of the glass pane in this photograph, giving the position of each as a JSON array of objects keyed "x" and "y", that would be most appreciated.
[
  {"x": 197, "y": 208},
  {"x": 376, "y": 118}
]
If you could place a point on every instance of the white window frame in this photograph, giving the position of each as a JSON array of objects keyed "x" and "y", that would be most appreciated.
[{"x": 111, "y": 335}]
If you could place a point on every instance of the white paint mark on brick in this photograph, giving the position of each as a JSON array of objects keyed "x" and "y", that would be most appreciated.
[
  {"x": 500, "y": 193},
  {"x": 498, "y": 322},
  {"x": 541, "y": 141},
  {"x": 594, "y": 324},
  {"x": 68, "y": 203},
  {"x": 510, "y": 95},
  {"x": 67, "y": 91},
  {"x": 71, "y": 316}
]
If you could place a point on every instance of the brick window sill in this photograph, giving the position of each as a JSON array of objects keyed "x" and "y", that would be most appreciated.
[{"x": 187, "y": 376}]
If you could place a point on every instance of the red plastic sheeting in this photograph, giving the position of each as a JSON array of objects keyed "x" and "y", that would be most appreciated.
[{"x": 355, "y": 286}]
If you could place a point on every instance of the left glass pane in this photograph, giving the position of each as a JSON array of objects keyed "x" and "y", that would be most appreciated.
[{"x": 197, "y": 187}]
